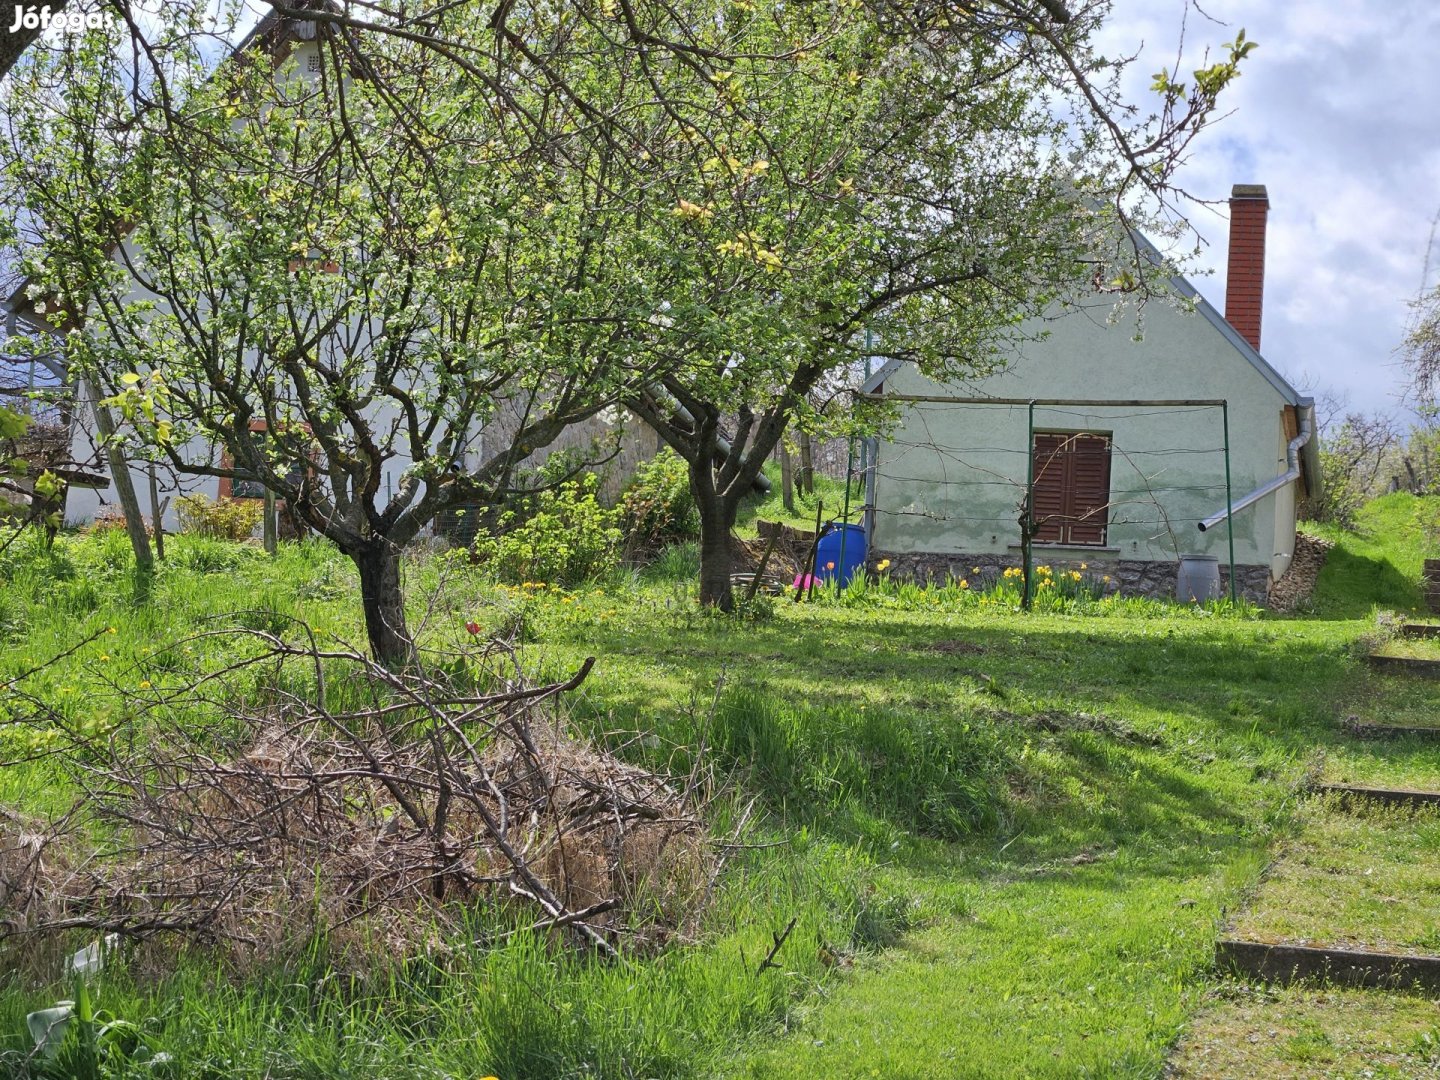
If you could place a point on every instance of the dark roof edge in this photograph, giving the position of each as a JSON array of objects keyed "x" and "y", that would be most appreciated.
[{"x": 886, "y": 370}]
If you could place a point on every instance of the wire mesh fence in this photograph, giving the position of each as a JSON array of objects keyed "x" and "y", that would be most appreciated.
[{"x": 990, "y": 480}]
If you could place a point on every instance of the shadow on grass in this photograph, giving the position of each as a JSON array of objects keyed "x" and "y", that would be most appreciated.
[
  {"x": 1351, "y": 585},
  {"x": 1183, "y": 734}
]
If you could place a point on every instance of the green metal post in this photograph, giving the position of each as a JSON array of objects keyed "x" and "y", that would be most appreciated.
[
  {"x": 845, "y": 514},
  {"x": 1229, "y": 517},
  {"x": 1029, "y": 525}
]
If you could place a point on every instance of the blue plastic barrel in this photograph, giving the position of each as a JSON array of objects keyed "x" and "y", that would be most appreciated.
[{"x": 846, "y": 563}]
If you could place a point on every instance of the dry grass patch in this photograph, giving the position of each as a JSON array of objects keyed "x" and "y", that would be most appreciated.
[{"x": 385, "y": 826}]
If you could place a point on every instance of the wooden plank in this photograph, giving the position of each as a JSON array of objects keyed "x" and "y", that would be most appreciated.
[
  {"x": 83, "y": 478},
  {"x": 1363, "y": 730},
  {"x": 1420, "y": 630},
  {"x": 1290, "y": 422},
  {"x": 1386, "y": 796},
  {"x": 787, "y": 533},
  {"x": 1405, "y": 665},
  {"x": 1352, "y": 967}
]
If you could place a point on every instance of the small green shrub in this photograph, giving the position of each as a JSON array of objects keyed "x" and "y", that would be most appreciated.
[
  {"x": 1427, "y": 1045},
  {"x": 222, "y": 519},
  {"x": 14, "y": 617},
  {"x": 657, "y": 504},
  {"x": 754, "y": 609},
  {"x": 113, "y": 554},
  {"x": 881, "y": 920},
  {"x": 568, "y": 539},
  {"x": 331, "y": 582}
]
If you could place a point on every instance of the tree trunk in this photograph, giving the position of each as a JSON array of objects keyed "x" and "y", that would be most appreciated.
[
  {"x": 124, "y": 487},
  {"x": 738, "y": 468},
  {"x": 384, "y": 603},
  {"x": 268, "y": 525},
  {"x": 807, "y": 465},
  {"x": 716, "y": 555},
  {"x": 787, "y": 479},
  {"x": 157, "y": 514}
]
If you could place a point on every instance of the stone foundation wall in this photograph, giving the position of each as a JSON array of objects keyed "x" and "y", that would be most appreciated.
[{"x": 1128, "y": 577}]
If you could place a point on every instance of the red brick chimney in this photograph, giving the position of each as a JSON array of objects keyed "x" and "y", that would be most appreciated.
[{"x": 1245, "y": 280}]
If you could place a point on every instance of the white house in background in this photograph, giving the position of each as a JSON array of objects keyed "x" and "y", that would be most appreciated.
[
  {"x": 1122, "y": 483},
  {"x": 91, "y": 493}
]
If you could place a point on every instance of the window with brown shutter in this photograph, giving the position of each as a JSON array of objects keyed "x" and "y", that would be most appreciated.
[{"x": 1072, "y": 487}]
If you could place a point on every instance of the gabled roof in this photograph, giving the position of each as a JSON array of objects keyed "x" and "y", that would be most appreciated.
[{"x": 1181, "y": 287}]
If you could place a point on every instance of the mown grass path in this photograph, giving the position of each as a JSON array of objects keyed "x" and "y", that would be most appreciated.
[{"x": 1143, "y": 765}]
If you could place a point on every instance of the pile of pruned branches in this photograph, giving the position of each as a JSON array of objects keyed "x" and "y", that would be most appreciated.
[{"x": 384, "y": 825}]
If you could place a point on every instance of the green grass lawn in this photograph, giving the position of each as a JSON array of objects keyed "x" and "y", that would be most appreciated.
[
  {"x": 1394, "y": 700},
  {"x": 1358, "y": 876},
  {"x": 1380, "y": 562},
  {"x": 1008, "y": 841},
  {"x": 1302, "y": 1033},
  {"x": 1407, "y": 762}
]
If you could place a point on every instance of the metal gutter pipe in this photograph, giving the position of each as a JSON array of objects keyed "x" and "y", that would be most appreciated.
[{"x": 1290, "y": 475}]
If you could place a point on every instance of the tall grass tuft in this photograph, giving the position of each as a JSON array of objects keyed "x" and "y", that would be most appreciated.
[
  {"x": 837, "y": 762},
  {"x": 674, "y": 563}
]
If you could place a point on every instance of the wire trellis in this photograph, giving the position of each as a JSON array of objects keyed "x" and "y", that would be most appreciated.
[{"x": 1150, "y": 483}]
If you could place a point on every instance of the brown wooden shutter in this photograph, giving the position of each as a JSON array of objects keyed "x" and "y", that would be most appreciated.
[
  {"x": 1090, "y": 463},
  {"x": 1072, "y": 488},
  {"x": 1050, "y": 487}
]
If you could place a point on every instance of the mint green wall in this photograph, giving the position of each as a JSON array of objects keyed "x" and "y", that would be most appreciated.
[{"x": 950, "y": 478}]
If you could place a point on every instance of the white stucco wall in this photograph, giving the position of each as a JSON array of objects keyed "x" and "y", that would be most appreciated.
[{"x": 950, "y": 478}]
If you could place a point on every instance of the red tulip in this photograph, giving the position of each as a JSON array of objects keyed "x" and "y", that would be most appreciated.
[{"x": 473, "y": 627}]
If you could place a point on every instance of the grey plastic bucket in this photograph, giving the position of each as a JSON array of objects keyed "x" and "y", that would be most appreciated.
[{"x": 1197, "y": 579}]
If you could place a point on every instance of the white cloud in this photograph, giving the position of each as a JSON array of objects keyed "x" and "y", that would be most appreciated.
[{"x": 1333, "y": 113}]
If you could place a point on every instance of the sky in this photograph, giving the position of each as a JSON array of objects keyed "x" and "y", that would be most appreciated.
[{"x": 1336, "y": 113}]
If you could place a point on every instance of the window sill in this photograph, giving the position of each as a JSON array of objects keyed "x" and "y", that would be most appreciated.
[{"x": 1038, "y": 546}]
